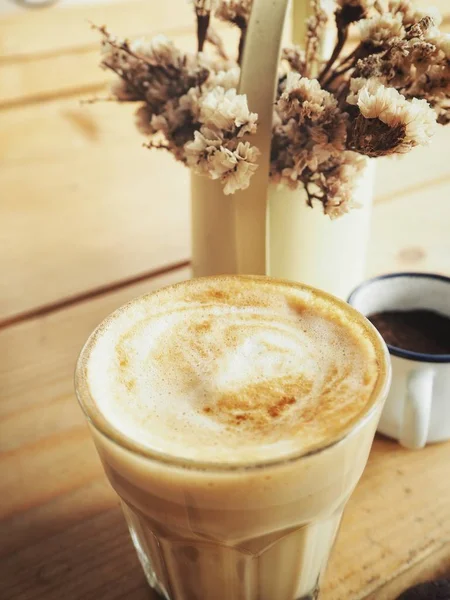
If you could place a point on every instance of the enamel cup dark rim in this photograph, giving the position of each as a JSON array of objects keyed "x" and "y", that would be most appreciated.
[{"x": 394, "y": 350}]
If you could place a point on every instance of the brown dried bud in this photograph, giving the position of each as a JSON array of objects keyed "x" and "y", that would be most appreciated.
[{"x": 374, "y": 138}]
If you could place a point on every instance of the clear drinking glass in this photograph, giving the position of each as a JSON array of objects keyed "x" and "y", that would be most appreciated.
[{"x": 208, "y": 531}]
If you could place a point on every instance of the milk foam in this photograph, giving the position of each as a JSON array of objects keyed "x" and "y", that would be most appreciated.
[{"x": 232, "y": 369}]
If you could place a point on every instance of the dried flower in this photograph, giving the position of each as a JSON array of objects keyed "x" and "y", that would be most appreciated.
[
  {"x": 383, "y": 97},
  {"x": 305, "y": 98},
  {"x": 199, "y": 151},
  {"x": 350, "y": 11},
  {"x": 234, "y": 11},
  {"x": 207, "y": 155},
  {"x": 381, "y": 30},
  {"x": 309, "y": 130},
  {"x": 227, "y": 110},
  {"x": 237, "y": 167},
  {"x": 153, "y": 71},
  {"x": 315, "y": 30},
  {"x": 388, "y": 123},
  {"x": 225, "y": 79},
  {"x": 295, "y": 58},
  {"x": 337, "y": 184}
]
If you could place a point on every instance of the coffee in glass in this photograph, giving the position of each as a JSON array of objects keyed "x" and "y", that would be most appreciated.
[{"x": 234, "y": 417}]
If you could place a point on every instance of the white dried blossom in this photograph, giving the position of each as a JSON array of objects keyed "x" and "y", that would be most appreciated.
[
  {"x": 205, "y": 143},
  {"x": 305, "y": 97},
  {"x": 207, "y": 155},
  {"x": 412, "y": 121},
  {"x": 310, "y": 158},
  {"x": 226, "y": 79},
  {"x": 373, "y": 99},
  {"x": 226, "y": 110},
  {"x": 158, "y": 49},
  {"x": 356, "y": 85},
  {"x": 239, "y": 175},
  {"x": 419, "y": 120},
  {"x": 381, "y": 29},
  {"x": 295, "y": 81},
  {"x": 309, "y": 130}
]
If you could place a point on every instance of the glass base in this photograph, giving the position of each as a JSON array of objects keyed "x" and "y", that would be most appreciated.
[
  {"x": 313, "y": 596},
  {"x": 280, "y": 566}
]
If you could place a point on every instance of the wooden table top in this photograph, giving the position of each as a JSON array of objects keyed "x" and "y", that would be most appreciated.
[{"x": 88, "y": 220}]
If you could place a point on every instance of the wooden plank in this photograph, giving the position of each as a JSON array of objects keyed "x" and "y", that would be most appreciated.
[
  {"x": 61, "y": 531},
  {"x": 72, "y": 562},
  {"x": 51, "y": 77},
  {"x": 410, "y": 231},
  {"x": 68, "y": 128},
  {"x": 398, "y": 516},
  {"x": 419, "y": 169},
  {"x": 88, "y": 219},
  {"x": 434, "y": 566},
  {"x": 56, "y": 30}
]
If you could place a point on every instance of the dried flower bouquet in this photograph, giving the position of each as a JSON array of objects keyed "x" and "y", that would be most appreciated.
[{"x": 383, "y": 96}]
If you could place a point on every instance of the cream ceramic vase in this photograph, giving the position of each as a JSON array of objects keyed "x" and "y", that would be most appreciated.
[{"x": 302, "y": 244}]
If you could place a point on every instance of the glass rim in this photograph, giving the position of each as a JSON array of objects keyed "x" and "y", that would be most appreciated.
[{"x": 114, "y": 435}]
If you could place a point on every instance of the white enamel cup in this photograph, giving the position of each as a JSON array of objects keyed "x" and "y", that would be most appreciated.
[{"x": 417, "y": 409}]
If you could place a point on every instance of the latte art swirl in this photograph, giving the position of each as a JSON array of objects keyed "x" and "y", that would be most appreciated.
[{"x": 231, "y": 369}]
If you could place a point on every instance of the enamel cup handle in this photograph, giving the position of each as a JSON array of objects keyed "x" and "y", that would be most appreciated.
[{"x": 417, "y": 409}]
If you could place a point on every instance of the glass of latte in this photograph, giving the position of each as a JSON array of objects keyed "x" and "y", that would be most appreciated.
[{"x": 234, "y": 417}]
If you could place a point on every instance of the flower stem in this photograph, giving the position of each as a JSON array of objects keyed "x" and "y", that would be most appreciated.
[
  {"x": 342, "y": 38},
  {"x": 202, "y": 30},
  {"x": 332, "y": 76},
  {"x": 242, "y": 24}
]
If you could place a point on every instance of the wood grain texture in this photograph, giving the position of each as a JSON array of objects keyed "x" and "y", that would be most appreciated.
[
  {"x": 435, "y": 565},
  {"x": 398, "y": 516},
  {"x": 33, "y": 34},
  {"x": 61, "y": 530},
  {"x": 68, "y": 229},
  {"x": 410, "y": 231}
]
